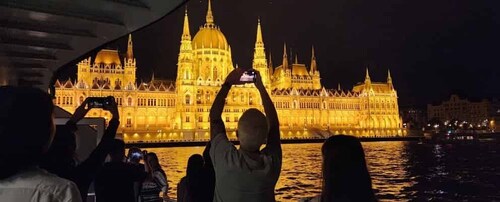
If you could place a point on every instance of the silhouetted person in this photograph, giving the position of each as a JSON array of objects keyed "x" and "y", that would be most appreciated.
[
  {"x": 61, "y": 159},
  {"x": 115, "y": 182},
  {"x": 199, "y": 182},
  {"x": 26, "y": 132},
  {"x": 209, "y": 172},
  {"x": 190, "y": 187},
  {"x": 345, "y": 175},
  {"x": 248, "y": 173},
  {"x": 134, "y": 157},
  {"x": 155, "y": 181}
]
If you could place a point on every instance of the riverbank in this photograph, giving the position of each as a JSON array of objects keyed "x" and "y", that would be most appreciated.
[{"x": 159, "y": 144}]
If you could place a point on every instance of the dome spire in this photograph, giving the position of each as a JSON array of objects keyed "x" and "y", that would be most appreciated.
[{"x": 210, "y": 17}]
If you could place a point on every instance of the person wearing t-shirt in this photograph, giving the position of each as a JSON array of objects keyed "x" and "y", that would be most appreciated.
[{"x": 247, "y": 173}]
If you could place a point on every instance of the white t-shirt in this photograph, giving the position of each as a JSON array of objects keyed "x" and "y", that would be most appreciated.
[
  {"x": 240, "y": 177},
  {"x": 38, "y": 185}
]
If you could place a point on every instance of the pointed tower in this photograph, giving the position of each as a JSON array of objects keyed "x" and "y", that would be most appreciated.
[
  {"x": 130, "y": 64},
  {"x": 130, "y": 48},
  {"x": 296, "y": 59},
  {"x": 389, "y": 79},
  {"x": 270, "y": 66},
  {"x": 367, "y": 77},
  {"x": 185, "y": 60},
  {"x": 285, "y": 58},
  {"x": 313, "y": 67},
  {"x": 259, "y": 56},
  {"x": 314, "y": 72}
]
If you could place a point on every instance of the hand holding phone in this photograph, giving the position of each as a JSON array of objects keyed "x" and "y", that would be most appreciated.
[
  {"x": 248, "y": 76},
  {"x": 99, "y": 102}
]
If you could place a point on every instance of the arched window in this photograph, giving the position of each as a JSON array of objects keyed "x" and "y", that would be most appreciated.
[
  {"x": 129, "y": 101},
  {"x": 199, "y": 94},
  {"x": 81, "y": 100},
  {"x": 215, "y": 73},
  {"x": 188, "y": 99}
]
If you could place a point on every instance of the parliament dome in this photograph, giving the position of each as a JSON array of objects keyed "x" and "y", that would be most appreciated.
[{"x": 210, "y": 37}]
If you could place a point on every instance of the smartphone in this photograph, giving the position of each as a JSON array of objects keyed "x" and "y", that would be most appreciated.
[
  {"x": 248, "y": 76},
  {"x": 137, "y": 154},
  {"x": 99, "y": 102}
]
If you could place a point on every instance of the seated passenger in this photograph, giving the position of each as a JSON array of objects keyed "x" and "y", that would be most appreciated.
[
  {"x": 115, "y": 182},
  {"x": 61, "y": 158},
  {"x": 345, "y": 176},
  {"x": 26, "y": 132},
  {"x": 247, "y": 173}
]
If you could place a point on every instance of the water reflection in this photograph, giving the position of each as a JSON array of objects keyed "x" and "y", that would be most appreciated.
[{"x": 401, "y": 171}]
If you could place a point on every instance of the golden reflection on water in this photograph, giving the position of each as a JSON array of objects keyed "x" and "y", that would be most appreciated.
[{"x": 301, "y": 170}]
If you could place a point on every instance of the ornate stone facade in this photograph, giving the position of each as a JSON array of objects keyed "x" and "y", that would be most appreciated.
[{"x": 162, "y": 110}]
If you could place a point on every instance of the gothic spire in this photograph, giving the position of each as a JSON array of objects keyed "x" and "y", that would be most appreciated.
[
  {"x": 130, "y": 48},
  {"x": 210, "y": 17},
  {"x": 285, "y": 57},
  {"x": 367, "y": 76},
  {"x": 296, "y": 59},
  {"x": 270, "y": 65},
  {"x": 389, "y": 78},
  {"x": 259, "y": 34},
  {"x": 314, "y": 67},
  {"x": 186, "y": 35}
]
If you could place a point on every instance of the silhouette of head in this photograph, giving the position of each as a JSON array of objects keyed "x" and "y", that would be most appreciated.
[
  {"x": 117, "y": 150},
  {"x": 26, "y": 127},
  {"x": 253, "y": 129},
  {"x": 134, "y": 158},
  {"x": 153, "y": 162},
  {"x": 195, "y": 165},
  {"x": 345, "y": 175}
]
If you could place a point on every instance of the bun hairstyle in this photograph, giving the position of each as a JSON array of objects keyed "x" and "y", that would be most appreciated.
[{"x": 26, "y": 127}]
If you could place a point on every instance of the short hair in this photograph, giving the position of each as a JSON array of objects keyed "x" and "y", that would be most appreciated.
[
  {"x": 117, "y": 148},
  {"x": 253, "y": 129},
  {"x": 26, "y": 127}
]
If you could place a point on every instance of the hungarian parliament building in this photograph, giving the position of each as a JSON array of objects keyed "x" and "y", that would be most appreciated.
[{"x": 161, "y": 110}]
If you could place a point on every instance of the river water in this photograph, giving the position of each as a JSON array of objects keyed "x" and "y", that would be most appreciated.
[{"x": 400, "y": 171}]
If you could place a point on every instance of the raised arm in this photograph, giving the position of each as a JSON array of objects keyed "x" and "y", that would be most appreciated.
[
  {"x": 216, "y": 123},
  {"x": 273, "y": 139}
]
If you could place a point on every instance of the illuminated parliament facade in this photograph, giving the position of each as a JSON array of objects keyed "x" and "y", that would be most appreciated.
[{"x": 163, "y": 110}]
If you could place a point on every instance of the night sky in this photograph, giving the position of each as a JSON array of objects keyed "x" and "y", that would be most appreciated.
[{"x": 432, "y": 47}]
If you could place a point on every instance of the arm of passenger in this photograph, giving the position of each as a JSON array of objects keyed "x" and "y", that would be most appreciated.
[
  {"x": 89, "y": 168},
  {"x": 216, "y": 124},
  {"x": 273, "y": 139},
  {"x": 161, "y": 180},
  {"x": 95, "y": 160}
]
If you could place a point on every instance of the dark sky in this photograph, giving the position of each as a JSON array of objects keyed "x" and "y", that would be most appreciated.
[{"x": 432, "y": 47}]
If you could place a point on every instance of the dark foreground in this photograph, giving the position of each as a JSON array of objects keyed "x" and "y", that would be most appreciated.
[{"x": 400, "y": 170}]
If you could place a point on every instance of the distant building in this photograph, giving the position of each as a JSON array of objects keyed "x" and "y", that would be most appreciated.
[
  {"x": 179, "y": 110},
  {"x": 456, "y": 108},
  {"x": 413, "y": 117}
]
